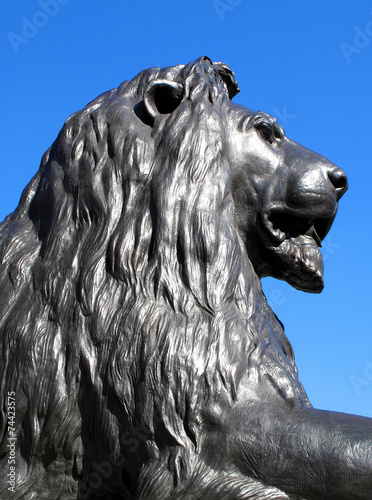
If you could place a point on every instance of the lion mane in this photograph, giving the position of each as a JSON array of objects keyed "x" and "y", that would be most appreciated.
[{"x": 129, "y": 306}]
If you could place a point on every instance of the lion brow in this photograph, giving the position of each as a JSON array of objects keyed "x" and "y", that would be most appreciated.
[
  {"x": 262, "y": 117},
  {"x": 254, "y": 120}
]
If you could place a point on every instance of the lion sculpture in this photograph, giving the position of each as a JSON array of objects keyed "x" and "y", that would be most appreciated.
[{"x": 140, "y": 359}]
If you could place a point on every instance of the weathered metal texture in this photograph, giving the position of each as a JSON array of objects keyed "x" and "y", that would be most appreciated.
[{"x": 139, "y": 355}]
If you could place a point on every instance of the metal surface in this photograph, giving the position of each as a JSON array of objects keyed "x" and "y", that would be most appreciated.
[{"x": 140, "y": 359}]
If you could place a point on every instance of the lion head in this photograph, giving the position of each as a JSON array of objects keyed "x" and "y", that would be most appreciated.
[
  {"x": 132, "y": 310},
  {"x": 286, "y": 198}
]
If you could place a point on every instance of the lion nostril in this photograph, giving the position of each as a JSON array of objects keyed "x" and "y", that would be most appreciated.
[{"x": 339, "y": 181}]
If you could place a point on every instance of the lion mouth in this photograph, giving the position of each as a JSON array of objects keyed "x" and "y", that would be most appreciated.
[
  {"x": 295, "y": 241},
  {"x": 281, "y": 226}
]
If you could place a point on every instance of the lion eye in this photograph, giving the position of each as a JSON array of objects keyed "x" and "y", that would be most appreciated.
[{"x": 266, "y": 131}]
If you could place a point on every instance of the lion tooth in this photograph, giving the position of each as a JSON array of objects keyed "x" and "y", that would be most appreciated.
[
  {"x": 276, "y": 233},
  {"x": 312, "y": 232},
  {"x": 317, "y": 238},
  {"x": 279, "y": 235}
]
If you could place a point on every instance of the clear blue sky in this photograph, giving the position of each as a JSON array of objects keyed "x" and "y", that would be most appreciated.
[{"x": 308, "y": 63}]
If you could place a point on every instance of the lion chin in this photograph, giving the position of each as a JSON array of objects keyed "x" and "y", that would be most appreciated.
[
  {"x": 294, "y": 243},
  {"x": 301, "y": 263}
]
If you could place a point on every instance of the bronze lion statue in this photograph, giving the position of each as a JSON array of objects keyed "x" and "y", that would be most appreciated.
[{"x": 139, "y": 357}]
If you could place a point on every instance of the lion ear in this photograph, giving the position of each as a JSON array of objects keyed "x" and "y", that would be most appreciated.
[
  {"x": 162, "y": 97},
  {"x": 228, "y": 77}
]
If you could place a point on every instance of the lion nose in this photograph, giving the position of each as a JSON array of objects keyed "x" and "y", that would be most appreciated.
[{"x": 339, "y": 181}]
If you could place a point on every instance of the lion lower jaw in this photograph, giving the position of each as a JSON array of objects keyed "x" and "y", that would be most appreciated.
[{"x": 300, "y": 263}]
